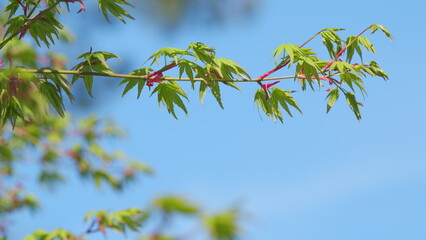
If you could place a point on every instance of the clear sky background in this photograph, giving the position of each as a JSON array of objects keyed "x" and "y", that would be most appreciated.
[{"x": 316, "y": 177}]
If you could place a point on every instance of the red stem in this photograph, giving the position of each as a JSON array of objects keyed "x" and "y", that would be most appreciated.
[
  {"x": 274, "y": 70},
  {"x": 165, "y": 68},
  {"x": 343, "y": 50},
  {"x": 285, "y": 64}
]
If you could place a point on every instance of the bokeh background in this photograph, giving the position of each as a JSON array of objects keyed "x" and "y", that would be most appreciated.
[{"x": 317, "y": 176}]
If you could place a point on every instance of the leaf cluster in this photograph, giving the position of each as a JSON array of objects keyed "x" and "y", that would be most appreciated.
[
  {"x": 58, "y": 234},
  {"x": 217, "y": 226},
  {"x": 198, "y": 63},
  {"x": 59, "y": 144},
  {"x": 120, "y": 221},
  {"x": 93, "y": 62},
  {"x": 279, "y": 99}
]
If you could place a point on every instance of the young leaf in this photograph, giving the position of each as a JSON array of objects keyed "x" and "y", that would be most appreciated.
[
  {"x": 114, "y": 7},
  {"x": 375, "y": 27},
  {"x": 366, "y": 44},
  {"x": 59, "y": 80},
  {"x": 45, "y": 29},
  {"x": 202, "y": 91},
  {"x": 353, "y": 104},
  {"x": 173, "y": 53},
  {"x": 202, "y": 52},
  {"x": 131, "y": 82},
  {"x": 343, "y": 67},
  {"x": 284, "y": 98},
  {"x": 264, "y": 104},
  {"x": 215, "y": 89},
  {"x": 52, "y": 94},
  {"x": 332, "y": 42},
  {"x": 291, "y": 50},
  {"x": 308, "y": 67},
  {"x": 229, "y": 68},
  {"x": 170, "y": 93},
  {"x": 12, "y": 8},
  {"x": 88, "y": 82},
  {"x": 14, "y": 25},
  {"x": 350, "y": 79},
  {"x": 332, "y": 96}
]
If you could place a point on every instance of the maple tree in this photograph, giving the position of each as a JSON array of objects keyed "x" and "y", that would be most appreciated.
[{"x": 31, "y": 88}]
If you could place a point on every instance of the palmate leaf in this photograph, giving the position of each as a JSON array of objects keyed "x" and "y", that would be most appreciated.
[
  {"x": 366, "y": 43},
  {"x": 263, "y": 103},
  {"x": 291, "y": 50},
  {"x": 224, "y": 69},
  {"x": 332, "y": 96},
  {"x": 202, "y": 91},
  {"x": 353, "y": 104},
  {"x": 344, "y": 67},
  {"x": 376, "y": 27},
  {"x": 373, "y": 69},
  {"x": 352, "y": 46},
  {"x": 52, "y": 93},
  {"x": 114, "y": 7},
  {"x": 170, "y": 94},
  {"x": 202, "y": 52},
  {"x": 173, "y": 53},
  {"x": 94, "y": 62},
  {"x": 278, "y": 99},
  {"x": 229, "y": 68},
  {"x": 284, "y": 98},
  {"x": 131, "y": 82},
  {"x": 308, "y": 67},
  {"x": 13, "y": 25},
  {"x": 59, "y": 80},
  {"x": 12, "y": 8},
  {"x": 44, "y": 30},
  {"x": 352, "y": 80},
  {"x": 214, "y": 87},
  {"x": 190, "y": 69},
  {"x": 332, "y": 41}
]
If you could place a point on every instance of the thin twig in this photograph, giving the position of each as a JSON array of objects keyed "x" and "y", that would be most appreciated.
[{"x": 143, "y": 77}]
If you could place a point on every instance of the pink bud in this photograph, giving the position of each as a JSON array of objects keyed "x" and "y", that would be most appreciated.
[{"x": 157, "y": 78}]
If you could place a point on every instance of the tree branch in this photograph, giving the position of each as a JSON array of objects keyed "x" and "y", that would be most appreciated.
[{"x": 143, "y": 77}]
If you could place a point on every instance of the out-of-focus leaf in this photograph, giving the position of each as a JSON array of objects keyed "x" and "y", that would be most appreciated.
[
  {"x": 223, "y": 226},
  {"x": 115, "y": 8},
  {"x": 174, "y": 204}
]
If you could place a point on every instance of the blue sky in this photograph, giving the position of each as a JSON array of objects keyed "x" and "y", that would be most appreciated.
[{"x": 317, "y": 176}]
